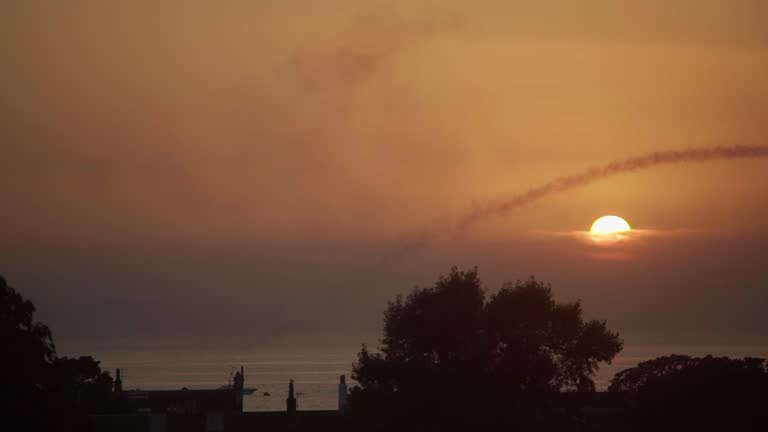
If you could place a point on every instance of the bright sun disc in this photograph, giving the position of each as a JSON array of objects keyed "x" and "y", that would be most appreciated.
[{"x": 609, "y": 225}]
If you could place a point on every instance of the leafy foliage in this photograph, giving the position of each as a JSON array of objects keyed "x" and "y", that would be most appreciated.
[
  {"x": 82, "y": 380},
  {"x": 635, "y": 378},
  {"x": 449, "y": 352},
  {"x": 684, "y": 393},
  {"x": 28, "y": 349},
  {"x": 39, "y": 389}
]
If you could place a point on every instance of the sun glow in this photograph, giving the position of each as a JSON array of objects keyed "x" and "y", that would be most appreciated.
[{"x": 609, "y": 225}]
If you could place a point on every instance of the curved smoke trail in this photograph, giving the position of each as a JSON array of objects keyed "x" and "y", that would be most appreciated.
[{"x": 584, "y": 178}]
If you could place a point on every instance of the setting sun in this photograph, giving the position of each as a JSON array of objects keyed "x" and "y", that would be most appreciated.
[{"x": 609, "y": 225}]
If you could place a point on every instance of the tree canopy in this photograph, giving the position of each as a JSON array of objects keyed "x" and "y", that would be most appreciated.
[
  {"x": 679, "y": 392},
  {"x": 40, "y": 390},
  {"x": 635, "y": 378},
  {"x": 28, "y": 349},
  {"x": 452, "y": 350}
]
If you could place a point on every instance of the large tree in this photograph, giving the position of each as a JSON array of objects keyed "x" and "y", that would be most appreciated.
[
  {"x": 678, "y": 392},
  {"x": 450, "y": 354},
  {"x": 27, "y": 355},
  {"x": 39, "y": 390}
]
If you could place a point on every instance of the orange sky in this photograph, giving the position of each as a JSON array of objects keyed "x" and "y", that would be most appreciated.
[{"x": 275, "y": 131}]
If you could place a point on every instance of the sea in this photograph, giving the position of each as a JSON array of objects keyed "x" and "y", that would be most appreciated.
[{"x": 315, "y": 371}]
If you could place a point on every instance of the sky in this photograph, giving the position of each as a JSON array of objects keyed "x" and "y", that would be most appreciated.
[{"x": 248, "y": 172}]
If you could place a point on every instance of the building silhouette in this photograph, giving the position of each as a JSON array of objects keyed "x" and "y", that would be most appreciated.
[{"x": 209, "y": 410}]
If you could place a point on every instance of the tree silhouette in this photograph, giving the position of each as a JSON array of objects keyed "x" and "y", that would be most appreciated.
[
  {"x": 82, "y": 384},
  {"x": 450, "y": 355},
  {"x": 633, "y": 379},
  {"x": 39, "y": 390},
  {"x": 684, "y": 393},
  {"x": 27, "y": 355}
]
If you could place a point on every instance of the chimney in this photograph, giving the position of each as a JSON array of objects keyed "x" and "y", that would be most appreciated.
[
  {"x": 239, "y": 380},
  {"x": 291, "y": 401},
  {"x": 118, "y": 381},
  {"x": 342, "y": 393},
  {"x": 239, "y": 386}
]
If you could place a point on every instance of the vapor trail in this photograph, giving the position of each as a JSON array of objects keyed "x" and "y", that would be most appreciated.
[{"x": 584, "y": 178}]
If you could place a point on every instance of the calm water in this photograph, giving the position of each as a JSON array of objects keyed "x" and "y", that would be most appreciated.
[{"x": 315, "y": 372}]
